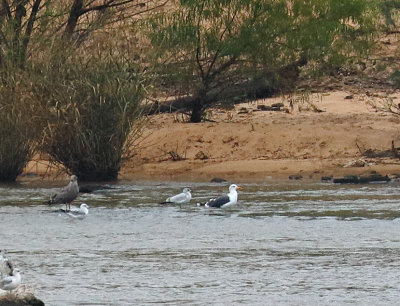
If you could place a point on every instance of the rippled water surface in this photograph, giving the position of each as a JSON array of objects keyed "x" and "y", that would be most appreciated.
[{"x": 288, "y": 244}]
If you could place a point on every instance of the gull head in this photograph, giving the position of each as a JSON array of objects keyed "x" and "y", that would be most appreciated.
[
  {"x": 73, "y": 178},
  {"x": 234, "y": 187},
  {"x": 186, "y": 190},
  {"x": 15, "y": 271},
  {"x": 84, "y": 205}
]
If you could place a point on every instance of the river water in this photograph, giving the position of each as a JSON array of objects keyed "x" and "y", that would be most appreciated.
[{"x": 283, "y": 244}]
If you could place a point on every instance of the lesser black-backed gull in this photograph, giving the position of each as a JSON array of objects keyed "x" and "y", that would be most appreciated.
[{"x": 225, "y": 200}]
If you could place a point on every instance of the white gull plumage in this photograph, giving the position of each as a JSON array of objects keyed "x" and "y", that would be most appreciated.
[
  {"x": 80, "y": 212},
  {"x": 11, "y": 282},
  {"x": 10, "y": 277},
  {"x": 225, "y": 200},
  {"x": 182, "y": 198}
]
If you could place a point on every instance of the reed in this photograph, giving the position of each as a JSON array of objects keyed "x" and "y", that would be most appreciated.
[
  {"x": 92, "y": 109},
  {"x": 17, "y": 131}
]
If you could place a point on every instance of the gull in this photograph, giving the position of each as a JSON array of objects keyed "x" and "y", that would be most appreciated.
[
  {"x": 225, "y": 200},
  {"x": 6, "y": 267},
  {"x": 11, "y": 282},
  {"x": 80, "y": 212},
  {"x": 66, "y": 194},
  {"x": 181, "y": 198}
]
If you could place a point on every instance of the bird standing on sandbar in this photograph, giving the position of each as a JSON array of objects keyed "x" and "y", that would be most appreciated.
[
  {"x": 67, "y": 195},
  {"x": 225, "y": 200},
  {"x": 11, "y": 282}
]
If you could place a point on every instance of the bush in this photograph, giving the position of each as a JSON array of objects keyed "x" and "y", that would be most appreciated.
[
  {"x": 91, "y": 106},
  {"x": 17, "y": 131}
]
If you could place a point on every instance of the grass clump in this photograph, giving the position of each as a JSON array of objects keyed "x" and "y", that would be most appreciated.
[
  {"x": 91, "y": 107},
  {"x": 17, "y": 131}
]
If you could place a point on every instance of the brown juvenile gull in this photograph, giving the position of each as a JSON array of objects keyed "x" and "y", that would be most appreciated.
[{"x": 68, "y": 194}]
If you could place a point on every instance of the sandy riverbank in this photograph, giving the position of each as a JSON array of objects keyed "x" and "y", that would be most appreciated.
[{"x": 244, "y": 144}]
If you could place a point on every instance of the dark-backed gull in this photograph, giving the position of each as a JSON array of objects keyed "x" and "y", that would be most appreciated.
[{"x": 225, "y": 200}]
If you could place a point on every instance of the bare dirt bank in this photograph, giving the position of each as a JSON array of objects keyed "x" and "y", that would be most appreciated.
[{"x": 316, "y": 136}]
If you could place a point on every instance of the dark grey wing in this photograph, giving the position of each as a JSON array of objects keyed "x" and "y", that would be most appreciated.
[
  {"x": 218, "y": 202},
  {"x": 66, "y": 195}
]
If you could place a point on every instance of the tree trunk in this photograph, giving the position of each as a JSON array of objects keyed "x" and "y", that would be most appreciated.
[
  {"x": 75, "y": 13},
  {"x": 263, "y": 86},
  {"x": 197, "y": 111}
]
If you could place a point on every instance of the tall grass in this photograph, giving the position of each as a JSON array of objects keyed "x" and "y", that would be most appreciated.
[
  {"x": 91, "y": 106},
  {"x": 17, "y": 123}
]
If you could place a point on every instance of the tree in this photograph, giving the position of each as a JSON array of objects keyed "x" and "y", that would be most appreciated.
[
  {"x": 91, "y": 106},
  {"x": 208, "y": 48},
  {"x": 27, "y": 25},
  {"x": 43, "y": 44}
]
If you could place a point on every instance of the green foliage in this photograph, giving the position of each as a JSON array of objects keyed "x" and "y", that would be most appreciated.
[
  {"x": 395, "y": 77},
  {"x": 91, "y": 106},
  {"x": 83, "y": 92},
  {"x": 387, "y": 8},
  {"x": 204, "y": 45}
]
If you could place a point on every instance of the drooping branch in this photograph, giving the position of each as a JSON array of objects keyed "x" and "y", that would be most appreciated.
[
  {"x": 29, "y": 27},
  {"x": 262, "y": 86},
  {"x": 79, "y": 9}
]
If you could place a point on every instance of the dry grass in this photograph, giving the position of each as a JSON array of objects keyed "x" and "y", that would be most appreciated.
[
  {"x": 17, "y": 134},
  {"x": 91, "y": 107}
]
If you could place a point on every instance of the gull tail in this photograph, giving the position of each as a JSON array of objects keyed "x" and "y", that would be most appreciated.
[
  {"x": 166, "y": 202},
  {"x": 51, "y": 201}
]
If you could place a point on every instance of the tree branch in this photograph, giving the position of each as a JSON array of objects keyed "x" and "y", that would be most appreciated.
[
  {"x": 215, "y": 57},
  {"x": 29, "y": 26},
  {"x": 6, "y": 9}
]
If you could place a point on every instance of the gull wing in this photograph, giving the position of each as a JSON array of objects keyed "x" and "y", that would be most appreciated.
[
  {"x": 6, "y": 280},
  {"x": 179, "y": 198},
  {"x": 218, "y": 202},
  {"x": 66, "y": 195}
]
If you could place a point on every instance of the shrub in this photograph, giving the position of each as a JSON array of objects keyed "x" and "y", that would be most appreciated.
[
  {"x": 17, "y": 131},
  {"x": 91, "y": 105}
]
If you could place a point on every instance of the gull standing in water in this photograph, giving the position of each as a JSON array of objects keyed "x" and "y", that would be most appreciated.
[
  {"x": 11, "y": 282},
  {"x": 225, "y": 200},
  {"x": 182, "y": 198},
  {"x": 80, "y": 212},
  {"x": 67, "y": 194}
]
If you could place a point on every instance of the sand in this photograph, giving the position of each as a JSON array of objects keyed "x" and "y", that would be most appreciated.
[
  {"x": 318, "y": 135},
  {"x": 314, "y": 136}
]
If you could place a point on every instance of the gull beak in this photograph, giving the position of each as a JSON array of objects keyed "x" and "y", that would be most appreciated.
[{"x": 239, "y": 188}]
